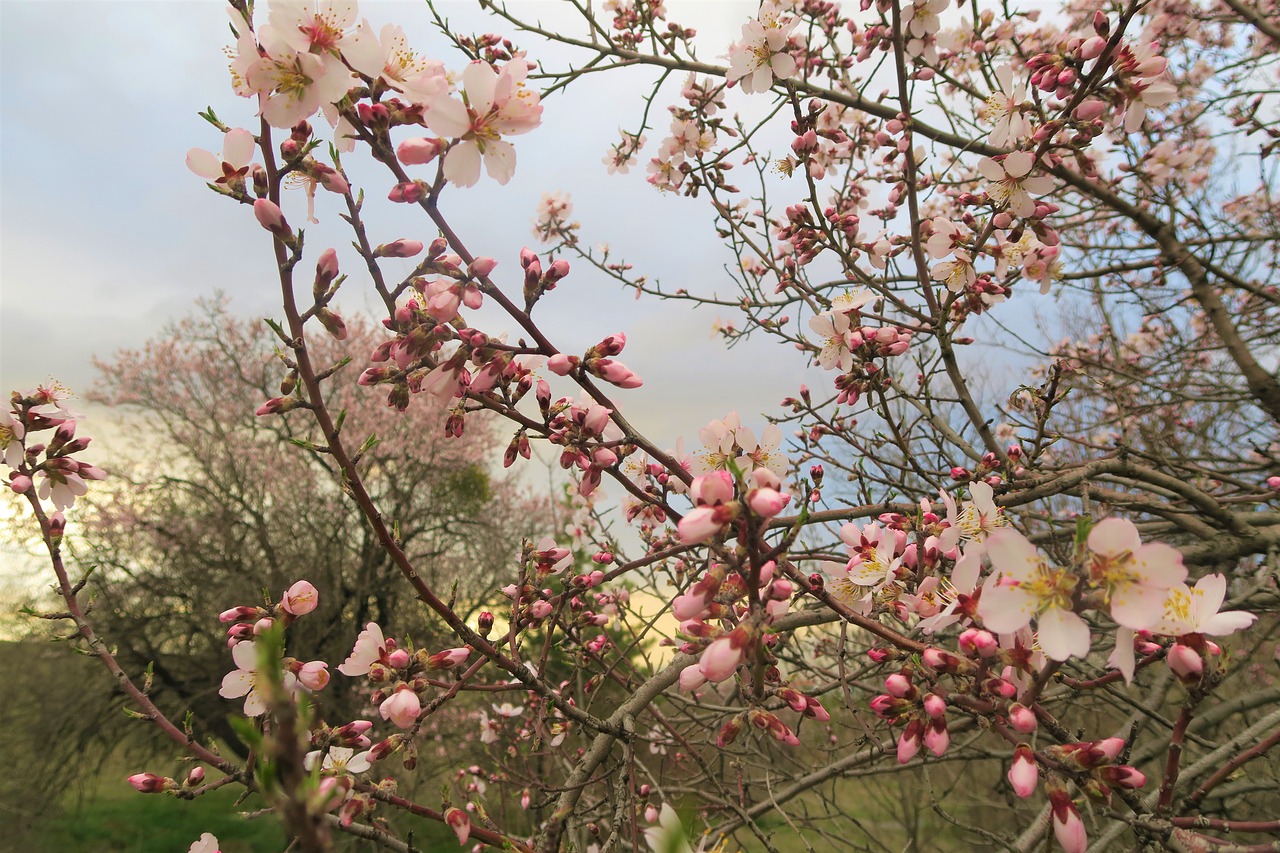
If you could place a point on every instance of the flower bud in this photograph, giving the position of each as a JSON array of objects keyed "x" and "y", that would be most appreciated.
[
  {"x": 300, "y": 599},
  {"x": 150, "y": 783},
  {"x": 459, "y": 822}
]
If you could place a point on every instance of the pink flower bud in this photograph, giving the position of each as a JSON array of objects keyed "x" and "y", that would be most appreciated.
[
  {"x": 418, "y": 152},
  {"x": 936, "y": 737},
  {"x": 1024, "y": 774},
  {"x": 558, "y": 270},
  {"x": 314, "y": 675},
  {"x": 150, "y": 783},
  {"x": 270, "y": 216},
  {"x": 1022, "y": 718},
  {"x": 326, "y": 268},
  {"x": 300, "y": 599},
  {"x": 263, "y": 625},
  {"x": 1090, "y": 110},
  {"x": 900, "y": 686},
  {"x": 460, "y": 823},
  {"x": 20, "y": 483},
  {"x": 721, "y": 659},
  {"x": 449, "y": 658},
  {"x": 481, "y": 267},
  {"x": 1185, "y": 662},
  {"x": 399, "y": 249},
  {"x": 1067, "y": 825},
  {"x": 935, "y": 706},
  {"x": 1123, "y": 776},
  {"x": 616, "y": 373},
  {"x": 195, "y": 777},
  {"x": 277, "y": 405},
  {"x": 909, "y": 742},
  {"x": 398, "y": 659},
  {"x": 402, "y": 707},
  {"x": 767, "y": 503},
  {"x": 1273, "y": 483},
  {"x": 561, "y": 364},
  {"x": 408, "y": 192},
  {"x": 1110, "y": 747},
  {"x": 1092, "y": 48},
  {"x": 691, "y": 678}
]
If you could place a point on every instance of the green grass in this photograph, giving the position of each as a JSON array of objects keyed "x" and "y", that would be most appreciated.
[{"x": 117, "y": 818}]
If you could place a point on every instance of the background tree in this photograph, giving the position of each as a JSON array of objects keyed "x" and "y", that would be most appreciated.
[{"x": 220, "y": 506}]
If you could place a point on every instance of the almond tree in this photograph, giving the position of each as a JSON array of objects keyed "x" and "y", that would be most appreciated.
[{"x": 1029, "y": 585}]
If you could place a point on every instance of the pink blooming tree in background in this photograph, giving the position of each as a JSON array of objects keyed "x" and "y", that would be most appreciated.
[{"x": 921, "y": 591}]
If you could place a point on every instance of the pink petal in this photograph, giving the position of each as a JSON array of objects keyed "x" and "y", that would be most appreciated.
[
  {"x": 1063, "y": 634},
  {"x": 480, "y": 81},
  {"x": 237, "y": 148},
  {"x": 448, "y": 117},
  {"x": 462, "y": 164},
  {"x": 1012, "y": 553},
  {"x": 1005, "y": 609},
  {"x": 1112, "y": 537},
  {"x": 1018, "y": 164},
  {"x": 235, "y": 684},
  {"x": 204, "y": 163},
  {"x": 991, "y": 170},
  {"x": 245, "y": 655}
]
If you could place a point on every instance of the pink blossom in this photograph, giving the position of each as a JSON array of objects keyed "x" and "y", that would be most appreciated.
[
  {"x": 1197, "y": 610},
  {"x": 339, "y": 760},
  {"x": 761, "y": 55},
  {"x": 231, "y": 166},
  {"x": 207, "y": 843},
  {"x": 497, "y": 104},
  {"x": 326, "y": 28},
  {"x": 294, "y": 85},
  {"x": 243, "y": 681},
  {"x": 1004, "y": 109},
  {"x": 1012, "y": 183},
  {"x": 370, "y": 647},
  {"x": 1026, "y": 587},
  {"x": 1136, "y": 577}
]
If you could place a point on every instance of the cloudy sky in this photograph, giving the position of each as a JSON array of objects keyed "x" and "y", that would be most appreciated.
[{"x": 106, "y": 235}]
